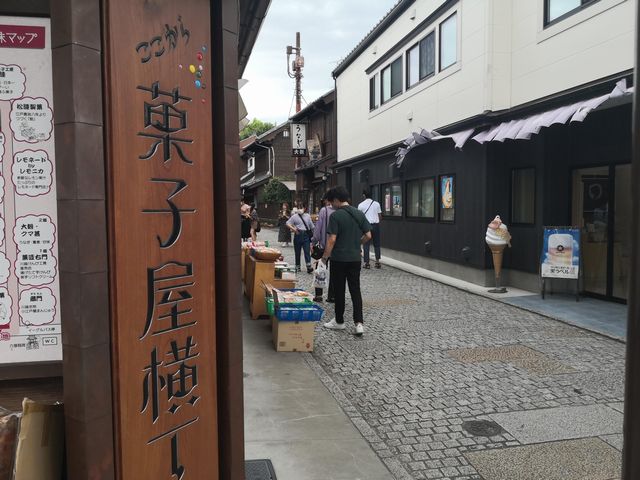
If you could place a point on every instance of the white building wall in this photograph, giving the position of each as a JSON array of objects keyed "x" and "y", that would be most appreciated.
[
  {"x": 505, "y": 58},
  {"x": 596, "y": 42},
  {"x": 457, "y": 92}
]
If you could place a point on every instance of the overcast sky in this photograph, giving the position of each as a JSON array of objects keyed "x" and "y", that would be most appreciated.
[{"x": 329, "y": 30}]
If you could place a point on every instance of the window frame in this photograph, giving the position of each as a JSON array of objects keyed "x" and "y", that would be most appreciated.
[
  {"x": 408, "y": 66},
  {"x": 375, "y": 95},
  {"x": 418, "y": 45},
  {"x": 440, "y": 43},
  {"x": 435, "y": 200},
  {"x": 389, "y": 67},
  {"x": 383, "y": 188},
  {"x": 511, "y": 198},
  {"x": 455, "y": 199},
  {"x": 547, "y": 10}
]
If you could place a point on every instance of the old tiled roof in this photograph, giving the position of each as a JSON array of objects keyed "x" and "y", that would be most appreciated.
[{"x": 397, "y": 10}]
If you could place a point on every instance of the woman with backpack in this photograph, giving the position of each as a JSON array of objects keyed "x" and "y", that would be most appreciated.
[{"x": 301, "y": 225}]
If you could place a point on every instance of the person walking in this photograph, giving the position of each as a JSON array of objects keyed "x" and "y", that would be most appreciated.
[
  {"x": 255, "y": 222},
  {"x": 373, "y": 212},
  {"x": 284, "y": 234},
  {"x": 245, "y": 222},
  {"x": 302, "y": 227},
  {"x": 319, "y": 240},
  {"x": 348, "y": 229}
]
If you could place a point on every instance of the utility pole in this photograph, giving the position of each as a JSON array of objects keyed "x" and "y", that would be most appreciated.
[{"x": 296, "y": 66}]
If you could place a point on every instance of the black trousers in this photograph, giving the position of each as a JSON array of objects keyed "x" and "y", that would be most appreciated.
[{"x": 349, "y": 273}]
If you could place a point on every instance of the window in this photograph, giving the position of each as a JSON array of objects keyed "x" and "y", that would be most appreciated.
[
  {"x": 448, "y": 42},
  {"x": 428, "y": 55},
  {"x": 421, "y": 60},
  {"x": 251, "y": 164},
  {"x": 558, "y": 9},
  {"x": 392, "y": 80},
  {"x": 392, "y": 200},
  {"x": 421, "y": 198},
  {"x": 413, "y": 66},
  {"x": 374, "y": 89},
  {"x": 523, "y": 195}
]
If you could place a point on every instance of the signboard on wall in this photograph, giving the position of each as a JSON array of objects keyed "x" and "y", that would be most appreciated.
[
  {"x": 30, "y": 329},
  {"x": 561, "y": 253},
  {"x": 299, "y": 139},
  {"x": 158, "y": 75}
]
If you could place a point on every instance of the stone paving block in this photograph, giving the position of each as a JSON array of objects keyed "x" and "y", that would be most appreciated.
[
  {"x": 616, "y": 440},
  {"x": 518, "y": 355},
  {"x": 584, "y": 459},
  {"x": 560, "y": 423}
]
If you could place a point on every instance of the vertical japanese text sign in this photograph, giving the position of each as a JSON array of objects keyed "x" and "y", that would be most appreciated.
[
  {"x": 299, "y": 139},
  {"x": 158, "y": 67}
]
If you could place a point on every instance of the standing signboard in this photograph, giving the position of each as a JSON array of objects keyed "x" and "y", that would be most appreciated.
[
  {"x": 560, "y": 254},
  {"x": 158, "y": 71},
  {"x": 299, "y": 139},
  {"x": 30, "y": 329}
]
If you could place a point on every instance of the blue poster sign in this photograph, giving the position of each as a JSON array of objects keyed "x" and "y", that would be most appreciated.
[{"x": 561, "y": 253}]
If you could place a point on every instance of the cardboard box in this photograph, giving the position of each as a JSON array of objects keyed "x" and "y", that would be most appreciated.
[
  {"x": 292, "y": 336},
  {"x": 40, "y": 448}
]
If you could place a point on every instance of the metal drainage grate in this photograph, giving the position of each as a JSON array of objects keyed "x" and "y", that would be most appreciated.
[
  {"x": 482, "y": 428},
  {"x": 259, "y": 470}
]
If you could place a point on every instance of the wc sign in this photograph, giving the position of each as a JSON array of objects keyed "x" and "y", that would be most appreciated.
[{"x": 299, "y": 139}]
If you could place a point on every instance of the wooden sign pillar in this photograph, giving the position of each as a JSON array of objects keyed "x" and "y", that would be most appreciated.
[{"x": 160, "y": 179}]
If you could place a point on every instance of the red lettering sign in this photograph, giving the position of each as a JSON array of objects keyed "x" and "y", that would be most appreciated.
[{"x": 21, "y": 36}]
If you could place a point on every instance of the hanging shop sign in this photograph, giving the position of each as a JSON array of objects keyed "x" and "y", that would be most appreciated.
[
  {"x": 158, "y": 74},
  {"x": 561, "y": 253},
  {"x": 299, "y": 139},
  {"x": 30, "y": 329}
]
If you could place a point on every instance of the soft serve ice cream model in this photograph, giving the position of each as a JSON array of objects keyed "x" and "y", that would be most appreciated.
[
  {"x": 498, "y": 233},
  {"x": 497, "y": 238}
]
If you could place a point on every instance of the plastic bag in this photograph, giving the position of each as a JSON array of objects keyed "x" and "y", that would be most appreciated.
[
  {"x": 321, "y": 275},
  {"x": 9, "y": 423}
]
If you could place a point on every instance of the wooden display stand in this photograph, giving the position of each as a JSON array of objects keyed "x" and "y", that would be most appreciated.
[{"x": 257, "y": 273}]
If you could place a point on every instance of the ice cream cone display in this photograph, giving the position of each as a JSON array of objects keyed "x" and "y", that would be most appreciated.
[{"x": 497, "y": 238}]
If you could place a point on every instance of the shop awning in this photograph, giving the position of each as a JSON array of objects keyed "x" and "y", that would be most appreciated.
[
  {"x": 524, "y": 128},
  {"x": 426, "y": 136}
]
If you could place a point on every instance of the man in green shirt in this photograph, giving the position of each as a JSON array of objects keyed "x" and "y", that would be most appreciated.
[{"x": 348, "y": 229}]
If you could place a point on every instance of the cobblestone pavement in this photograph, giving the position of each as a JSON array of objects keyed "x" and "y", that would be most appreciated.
[{"x": 434, "y": 357}]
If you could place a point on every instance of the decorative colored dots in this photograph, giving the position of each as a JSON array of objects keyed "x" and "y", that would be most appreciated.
[
  {"x": 198, "y": 74},
  {"x": 203, "y": 100},
  {"x": 198, "y": 83},
  {"x": 204, "y": 48},
  {"x": 180, "y": 66},
  {"x": 204, "y": 85},
  {"x": 192, "y": 68},
  {"x": 199, "y": 56}
]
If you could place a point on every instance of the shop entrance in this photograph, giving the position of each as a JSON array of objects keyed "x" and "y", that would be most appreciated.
[{"x": 601, "y": 206}]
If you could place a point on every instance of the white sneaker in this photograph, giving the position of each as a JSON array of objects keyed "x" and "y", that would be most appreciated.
[
  {"x": 359, "y": 329},
  {"x": 333, "y": 325}
]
